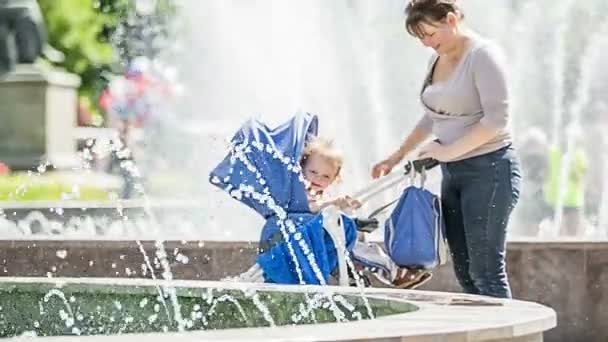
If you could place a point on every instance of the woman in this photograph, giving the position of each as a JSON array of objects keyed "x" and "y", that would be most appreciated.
[{"x": 467, "y": 109}]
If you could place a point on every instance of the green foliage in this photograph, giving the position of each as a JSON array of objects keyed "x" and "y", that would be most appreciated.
[
  {"x": 81, "y": 30},
  {"x": 94, "y": 37},
  {"x": 47, "y": 188}
]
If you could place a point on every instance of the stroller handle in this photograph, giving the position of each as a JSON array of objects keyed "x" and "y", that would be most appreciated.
[
  {"x": 393, "y": 178},
  {"x": 420, "y": 165}
]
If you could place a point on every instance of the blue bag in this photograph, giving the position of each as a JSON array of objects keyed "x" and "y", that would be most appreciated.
[{"x": 414, "y": 232}]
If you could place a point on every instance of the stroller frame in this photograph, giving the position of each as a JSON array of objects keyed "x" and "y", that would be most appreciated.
[{"x": 333, "y": 225}]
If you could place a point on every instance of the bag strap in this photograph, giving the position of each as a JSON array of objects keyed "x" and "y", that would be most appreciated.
[{"x": 383, "y": 208}]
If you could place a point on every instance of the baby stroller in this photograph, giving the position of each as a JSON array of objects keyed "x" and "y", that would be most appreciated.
[{"x": 262, "y": 170}]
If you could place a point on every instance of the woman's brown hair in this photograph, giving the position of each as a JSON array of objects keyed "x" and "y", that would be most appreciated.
[{"x": 428, "y": 12}]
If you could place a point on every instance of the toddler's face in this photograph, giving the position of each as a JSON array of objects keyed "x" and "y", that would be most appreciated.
[{"x": 320, "y": 172}]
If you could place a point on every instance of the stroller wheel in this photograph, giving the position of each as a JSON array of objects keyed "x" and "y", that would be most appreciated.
[
  {"x": 363, "y": 278},
  {"x": 411, "y": 278}
]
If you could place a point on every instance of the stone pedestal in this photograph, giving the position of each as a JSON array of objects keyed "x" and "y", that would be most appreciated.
[{"x": 38, "y": 109}]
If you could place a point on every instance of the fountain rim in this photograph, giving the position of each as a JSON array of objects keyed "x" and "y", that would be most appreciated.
[{"x": 439, "y": 315}]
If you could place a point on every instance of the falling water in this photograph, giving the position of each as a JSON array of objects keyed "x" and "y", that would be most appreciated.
[
  {"x": 589, "y": 62},
  {"x": 269, "y": 59},
  {"x": 603, "y": 207},
  {"x": 559, "y": 68},
  {"x": 68, "y": 317}
]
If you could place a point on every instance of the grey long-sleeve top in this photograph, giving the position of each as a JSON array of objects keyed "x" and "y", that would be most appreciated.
[{"x": 475, "y": 92}]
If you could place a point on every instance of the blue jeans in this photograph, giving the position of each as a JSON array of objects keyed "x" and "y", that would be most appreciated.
[{"x": 478, "y": 195}]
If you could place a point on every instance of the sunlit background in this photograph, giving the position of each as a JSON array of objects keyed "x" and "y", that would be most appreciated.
[
  {"x": 208, "y": 66},
  {"x": 352, "y": 63}
]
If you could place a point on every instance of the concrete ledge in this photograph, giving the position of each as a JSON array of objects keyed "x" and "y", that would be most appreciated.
[{"x": 37, "y": 73}]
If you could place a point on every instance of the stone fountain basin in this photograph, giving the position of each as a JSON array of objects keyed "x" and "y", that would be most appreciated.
[
  {"x": 404, "y": 315},
  {"x": 106, "y": 308}
]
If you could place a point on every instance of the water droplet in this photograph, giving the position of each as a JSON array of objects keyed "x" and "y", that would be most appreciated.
[{"x": 62, "y": 254}]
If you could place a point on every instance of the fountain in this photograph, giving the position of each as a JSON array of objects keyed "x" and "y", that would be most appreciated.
[
  {"x": 120, "y": 309},
  {"x": 85, "y": 308},
  {"x": 351, "y": 63}
]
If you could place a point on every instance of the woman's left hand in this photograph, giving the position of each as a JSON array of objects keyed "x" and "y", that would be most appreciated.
[{"x": 436, "y": 151}]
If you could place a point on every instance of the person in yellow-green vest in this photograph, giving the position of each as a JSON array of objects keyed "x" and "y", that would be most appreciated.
[{"x": 574, "y": 191}]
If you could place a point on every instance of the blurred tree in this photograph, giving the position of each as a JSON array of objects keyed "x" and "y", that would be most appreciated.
[
  {"x": 99, "y": 37},
  {"x": 82, "y": 31}
]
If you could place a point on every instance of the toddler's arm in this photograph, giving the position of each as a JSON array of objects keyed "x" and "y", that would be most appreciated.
[{"x": 342, "y": 202}]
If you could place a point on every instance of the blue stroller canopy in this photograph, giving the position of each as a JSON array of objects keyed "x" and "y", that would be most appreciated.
[
  {"x": 262, "y": 167},
  {"x": 262, "y": 170}
]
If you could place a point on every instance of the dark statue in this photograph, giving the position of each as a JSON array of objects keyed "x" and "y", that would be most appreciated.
[{"x": 22, "y": 33}]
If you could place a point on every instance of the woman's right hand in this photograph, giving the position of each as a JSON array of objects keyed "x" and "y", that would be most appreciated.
[{"x": 384, "y": 167}]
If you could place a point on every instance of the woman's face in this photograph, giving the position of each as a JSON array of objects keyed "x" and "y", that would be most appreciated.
[{"x": 440, "y": 36}]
